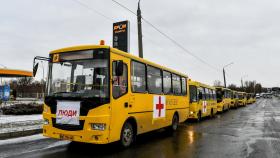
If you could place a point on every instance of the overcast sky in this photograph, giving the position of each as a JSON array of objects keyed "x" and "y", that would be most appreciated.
[{"x": 246, "y": 32}]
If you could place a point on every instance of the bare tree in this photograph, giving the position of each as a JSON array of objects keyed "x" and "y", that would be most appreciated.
[{"x": 217, "y": 83}]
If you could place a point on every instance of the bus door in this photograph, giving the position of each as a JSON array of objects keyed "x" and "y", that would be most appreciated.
[
  {"x": 120, "y": 106},
  {"x": 202, "y": 101}
]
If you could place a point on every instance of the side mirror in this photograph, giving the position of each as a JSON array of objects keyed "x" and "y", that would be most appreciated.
[
  {"x": 35, "y": 68},
  {"x": 119, "y": 68}
]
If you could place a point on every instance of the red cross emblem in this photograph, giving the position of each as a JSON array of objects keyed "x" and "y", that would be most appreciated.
[{"x": 159, "y": 106}]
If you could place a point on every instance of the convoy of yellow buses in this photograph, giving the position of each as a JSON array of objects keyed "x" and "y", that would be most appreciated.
[{"x": 98, "y": 94}]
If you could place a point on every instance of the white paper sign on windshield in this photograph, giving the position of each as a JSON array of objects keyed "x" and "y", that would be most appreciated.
[{"x": 68, "y": 112}]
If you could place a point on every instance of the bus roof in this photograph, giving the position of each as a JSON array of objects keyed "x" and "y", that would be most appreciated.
[
  {"x": 223, "y": 88},
  {"x": 15, "y": 73},
  {"x": 114, "y": 50},
  {"x": 196, "y": 83}
]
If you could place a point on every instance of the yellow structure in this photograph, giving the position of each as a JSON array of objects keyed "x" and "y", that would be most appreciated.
[
  {"x": 242, "y": 99},
  {"x": 203, "y": 101},
  {"x": 235, "y": 99},
  {"x": 98, "y": 94},
  {"x": 4, "y": 72},
  {"x": 223, "y": 99}
]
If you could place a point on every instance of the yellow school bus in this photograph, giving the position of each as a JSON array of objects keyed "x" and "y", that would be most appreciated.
[
  {"x": 223, "y": 99},
  {"x": 203, "y": 101},
  {"x": 247, "y": 95},
  {"x": 98, "y": 94},
  {"x": 251, "y": 99},
  {"x": 232, "y": 101},
  {"x": 254, "y": 97},
  {"x": 241, "y": 98},
  {"x": 234, "y": 98}
]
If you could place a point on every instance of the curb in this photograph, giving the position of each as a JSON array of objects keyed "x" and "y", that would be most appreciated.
[{"x": 16, "y": 134}]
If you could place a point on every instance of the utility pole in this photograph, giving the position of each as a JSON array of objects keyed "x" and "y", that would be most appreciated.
[
  {"x": 225, "y": 84},
  {"x": 140, "y": 44},
  {"x": 224, "y": 74}
]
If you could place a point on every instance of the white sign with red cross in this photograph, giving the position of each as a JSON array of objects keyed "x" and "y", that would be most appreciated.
[
  {"x": 204, "y": 106},
  {"x": 159, "y": 107}
]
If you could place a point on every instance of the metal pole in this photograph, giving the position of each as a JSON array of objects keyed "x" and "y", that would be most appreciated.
[
  {"x": 242, "y": 84},
  {"x": 225, "y": 84},
  {"x": 140, "y": 44}
]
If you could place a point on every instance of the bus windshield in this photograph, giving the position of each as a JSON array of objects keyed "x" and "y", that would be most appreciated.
[{"x": 81, "y": 74}]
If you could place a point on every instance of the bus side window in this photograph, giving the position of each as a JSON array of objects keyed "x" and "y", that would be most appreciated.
[
  {"x": 138, "y": 77},
  {"x": 154, "y": 80},
  {"x": 184, "y": 85},
  {"x": 119, "y": 82},
  {"x": 203, "y": 94},
  {"x": 167, "y": 89},
  {"x": 193, "y": 93},
  {"x": 176, "y": 84},
  {"x": 211, "y": 94}
]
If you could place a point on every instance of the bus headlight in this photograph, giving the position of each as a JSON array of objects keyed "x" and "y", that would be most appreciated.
[
  {"x": 46, "y": 121},
  {"x": 98, "y": 126}
]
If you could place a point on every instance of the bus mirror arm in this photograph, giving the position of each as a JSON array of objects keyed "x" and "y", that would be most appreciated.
[{"x": 36, "y": 64}]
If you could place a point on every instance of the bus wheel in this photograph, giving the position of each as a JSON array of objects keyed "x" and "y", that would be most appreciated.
[
  {"x": 212, "y": 113},
  {"x": 199, "y": 116},
  {"x": 175, "y": 122},
  {"x": 127, "y": 135}
]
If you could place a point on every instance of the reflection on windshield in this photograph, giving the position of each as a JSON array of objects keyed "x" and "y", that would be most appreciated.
[{"x": 79, "y": 78}]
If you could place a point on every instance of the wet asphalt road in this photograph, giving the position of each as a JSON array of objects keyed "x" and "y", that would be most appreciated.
[{"x": 251, "y": 131}]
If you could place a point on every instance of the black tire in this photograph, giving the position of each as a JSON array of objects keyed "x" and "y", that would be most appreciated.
[
  {"x": 212, "y": 113},
  {"x": 174, "y": 125},
  {"x": 199, "y": 117},
  {"x": 127, "y": 135}
]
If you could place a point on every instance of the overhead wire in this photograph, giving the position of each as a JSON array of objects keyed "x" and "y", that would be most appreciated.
[{"x": 169, "y": 38}]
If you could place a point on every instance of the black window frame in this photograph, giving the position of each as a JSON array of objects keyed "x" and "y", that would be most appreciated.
[
  {"x": 171, "y": 86},
  {"x": 131, "y": 69},
  {"x": 147, "y": 86},
  {"x": 179, "y": 94},
  {"x": 125, "y": 65},
  {"x": 184, "y": 93}
]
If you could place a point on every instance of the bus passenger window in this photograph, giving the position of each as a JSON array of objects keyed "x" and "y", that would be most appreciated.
[
  {"x": 138, "y": 77},
  {"x": 193, "y": 93},
  {"x": 176, "y": 84},
  {"x": 206, "y": 94},
  {"x": 184, "y": 86},
  {"x": 119, "y": 82},
  {"x": 154, "y": 80},
  {"x": 167, "y": 89}
]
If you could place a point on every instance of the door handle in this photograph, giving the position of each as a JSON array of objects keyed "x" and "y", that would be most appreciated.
[{"x": 126, "y": 104}]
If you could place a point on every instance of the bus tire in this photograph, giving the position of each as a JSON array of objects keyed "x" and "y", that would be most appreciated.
[
  {"x": 199, "y": 117},
  {"x": 212, "y": 113},
  {"x": 127, "y": 135},
  {"x": 174, "y": 124}
]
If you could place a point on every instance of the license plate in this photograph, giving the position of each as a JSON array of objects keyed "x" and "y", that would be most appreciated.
[{"x": 66, "y": 137}]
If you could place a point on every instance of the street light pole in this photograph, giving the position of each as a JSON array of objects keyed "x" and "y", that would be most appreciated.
[
  {"x": 242, "y": 81},
  {"x": 224, "y": 74},
  {"x": 139, "y": 22}
]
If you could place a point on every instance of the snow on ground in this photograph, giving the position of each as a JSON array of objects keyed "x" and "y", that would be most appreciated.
[
  {"x": 13, "y": 123},
  {"x": 22, "y": 139},
  {"x": 4, "y": 119}
]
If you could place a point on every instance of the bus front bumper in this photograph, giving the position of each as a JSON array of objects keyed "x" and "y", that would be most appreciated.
[{"x": 86, "y": 134}]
